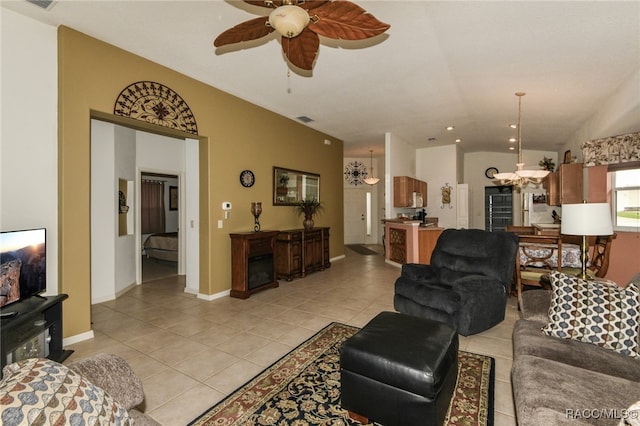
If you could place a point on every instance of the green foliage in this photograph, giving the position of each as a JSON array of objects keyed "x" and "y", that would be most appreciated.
[
  {"x": 547, "y": 164},
  {"x": 309, "y": 207},
  {"x": 630, "y": 215}
]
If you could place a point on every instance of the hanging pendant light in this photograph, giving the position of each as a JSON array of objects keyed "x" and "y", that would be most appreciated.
[
  {"x": 520, "y": 177},
  {"x": 371, "y": 179}
]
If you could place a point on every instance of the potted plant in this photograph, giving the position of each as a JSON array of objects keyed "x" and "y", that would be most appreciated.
[
  {"x": 308, "y": 208},
  {"x": 547, "y": 164}
]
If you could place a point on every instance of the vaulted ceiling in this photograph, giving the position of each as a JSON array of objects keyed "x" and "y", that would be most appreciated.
[{"x": 442, "y": 63}]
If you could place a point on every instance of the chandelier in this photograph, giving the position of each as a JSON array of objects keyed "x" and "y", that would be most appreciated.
[
  {"x": 520, "y": 177},
  {"x": 371, "y": 180}
]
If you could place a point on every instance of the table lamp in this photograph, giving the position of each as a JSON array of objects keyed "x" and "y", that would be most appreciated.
[{"x": 586, "y": 219}]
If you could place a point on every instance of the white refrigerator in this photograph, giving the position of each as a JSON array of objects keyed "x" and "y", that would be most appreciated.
[{"x": 536, "y": 209}]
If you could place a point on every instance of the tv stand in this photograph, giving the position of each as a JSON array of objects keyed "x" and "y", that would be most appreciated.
[{"x": 35, "y": 330}]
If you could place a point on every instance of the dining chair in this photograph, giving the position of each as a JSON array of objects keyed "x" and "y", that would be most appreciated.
[
  {"x": 538, "y": 255},
  {"x": 598, "y": 260}
]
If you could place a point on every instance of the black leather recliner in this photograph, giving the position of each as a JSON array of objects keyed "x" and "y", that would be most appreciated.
[{"x": 467, "y": 283}]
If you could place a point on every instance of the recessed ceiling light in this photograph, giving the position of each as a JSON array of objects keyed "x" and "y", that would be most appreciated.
[
  {"x": 512, "y": 139},
  {"x": 511, "y": 148},
  {"x": 458, "y": 140},
  {"x": 450, "y": 128},
  {"x": 513, "y": 126}
]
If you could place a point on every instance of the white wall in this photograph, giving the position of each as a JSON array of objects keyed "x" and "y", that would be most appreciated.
[
  {"x": 191, "y": 253},
  {"x": 617, "y": 115},
  {"x": 104, "y": 225},
  {"x": 438, "y": 167},
  {"x": 124, "y": 167},
  {"x": 400, "y": 160},
  {"x": 28, "y": 134}
]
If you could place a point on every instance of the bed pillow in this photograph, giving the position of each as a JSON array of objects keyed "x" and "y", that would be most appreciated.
[
  {"x": 595, "y": 312},
  {"x": 38, "y": 391}
]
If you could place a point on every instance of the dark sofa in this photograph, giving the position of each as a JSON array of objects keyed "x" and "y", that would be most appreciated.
[{"x": 467, "y": 283}]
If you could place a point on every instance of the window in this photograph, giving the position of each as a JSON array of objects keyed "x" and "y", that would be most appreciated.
[{"x": 626, "y": 198}]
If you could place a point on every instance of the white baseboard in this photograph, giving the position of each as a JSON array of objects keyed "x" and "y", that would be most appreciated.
[
  {"x": 191, "y": 290},
  {"x": 333, "y": 259},
  {"x": 78, "y": 338},
  {"x": 210, "y": 297},
  {"x": 392, "y": 263},
  {"x": 113, "y": 296}
]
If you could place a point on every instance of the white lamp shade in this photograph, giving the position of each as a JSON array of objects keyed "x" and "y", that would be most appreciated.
[
  {"x": 289, "y": 20},
  {"x": 586, "y": 219}
]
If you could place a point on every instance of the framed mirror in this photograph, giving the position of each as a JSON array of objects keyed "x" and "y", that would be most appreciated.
[{"x": 292, "y": 186}]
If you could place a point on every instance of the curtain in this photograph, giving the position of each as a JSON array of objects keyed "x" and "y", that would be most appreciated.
[
  {"x": 612, "y": 150},
  {"x": 152, "y": 209}
]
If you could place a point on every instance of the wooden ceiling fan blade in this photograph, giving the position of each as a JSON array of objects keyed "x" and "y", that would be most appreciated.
[
  {"x": 262, "y": 3},
  {"x": 272, "y": 4},
  {"x": 302, "y": 50},
  {"x": 249, "y": 30},
  {"x": 347, "y": 21},
  {"x": 312, "y": 4}
]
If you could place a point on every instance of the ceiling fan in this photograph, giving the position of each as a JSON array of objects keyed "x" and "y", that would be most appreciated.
[{"x": 301, "y": 22}]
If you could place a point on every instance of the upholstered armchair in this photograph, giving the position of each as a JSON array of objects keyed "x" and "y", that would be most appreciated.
[{"x": 466, "y": 284}]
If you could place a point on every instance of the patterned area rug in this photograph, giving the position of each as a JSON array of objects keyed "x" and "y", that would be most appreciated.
[
  {"x": 360, "y": 249},
  {"x": 303, "y": 388}
]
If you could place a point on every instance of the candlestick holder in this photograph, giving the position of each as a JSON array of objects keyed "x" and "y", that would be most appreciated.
[{"x": 256, "y": 209}]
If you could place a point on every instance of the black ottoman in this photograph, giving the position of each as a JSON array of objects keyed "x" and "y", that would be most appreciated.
[{"x": 399, "y": 370}]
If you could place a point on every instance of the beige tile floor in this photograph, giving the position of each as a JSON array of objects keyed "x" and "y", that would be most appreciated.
[{"x": 191, "y": 353}]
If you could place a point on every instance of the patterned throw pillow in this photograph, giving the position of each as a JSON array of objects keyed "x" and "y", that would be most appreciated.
[
  {"x": 39, "y": 391},
  {"x": 595, "y": 312}
]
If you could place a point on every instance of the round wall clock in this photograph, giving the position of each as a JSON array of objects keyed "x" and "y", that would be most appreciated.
[
  {"x": 490, "y": 172},
  {"x": 247, "y": 178}
]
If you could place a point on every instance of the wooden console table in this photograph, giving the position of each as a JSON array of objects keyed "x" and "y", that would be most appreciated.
[
  {"x": 252, "y": 262},
  {"x": 300, "y": 252}
]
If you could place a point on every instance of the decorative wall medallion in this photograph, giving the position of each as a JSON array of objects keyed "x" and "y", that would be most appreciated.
[
  {"x": 355, "y": 172},
  {"x": 155, "y": 103}
]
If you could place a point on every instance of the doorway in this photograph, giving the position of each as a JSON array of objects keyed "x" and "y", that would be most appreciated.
[
  {"x": 159, "y": 225},
  {"x": 358, "y": 226},
  {"x": 120, "y": 153}
]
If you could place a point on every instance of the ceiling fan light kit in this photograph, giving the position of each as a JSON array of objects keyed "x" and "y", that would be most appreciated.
[
  {"x": 371, "y": 179},
  {"x": 301, "y": 23},
  {"x": 520, "y": 177},
  {"x": 289, "y": 20}
]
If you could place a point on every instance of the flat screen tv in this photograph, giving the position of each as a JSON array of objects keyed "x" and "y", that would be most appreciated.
[{"x": 23, "y": 264}]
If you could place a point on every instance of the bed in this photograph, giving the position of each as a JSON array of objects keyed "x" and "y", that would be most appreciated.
[{"x": 162, "y": 246}]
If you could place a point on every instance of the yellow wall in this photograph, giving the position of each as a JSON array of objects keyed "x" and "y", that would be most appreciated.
[{"x": 234, "y": 135}]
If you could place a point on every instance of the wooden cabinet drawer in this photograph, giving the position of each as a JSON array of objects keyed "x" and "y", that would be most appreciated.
[{"x": 260, "y": 246}]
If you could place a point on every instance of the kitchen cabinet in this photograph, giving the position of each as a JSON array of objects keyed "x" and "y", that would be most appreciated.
[
  {"x": 565, "y": 186},
  {"x": 427, "y": 239},
  {"x": 409, "y": 241},
  {"x": 403, "y": 189}
]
